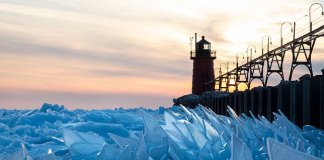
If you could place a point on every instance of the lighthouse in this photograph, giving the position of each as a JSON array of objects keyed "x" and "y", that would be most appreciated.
[{"x": 203, "y": 66}]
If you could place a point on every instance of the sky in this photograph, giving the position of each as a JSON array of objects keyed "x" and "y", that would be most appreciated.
[{"x": 118, "y": 53}]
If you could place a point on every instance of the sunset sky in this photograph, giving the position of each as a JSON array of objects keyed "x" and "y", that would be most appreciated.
[{"x": 118, "y": 53}]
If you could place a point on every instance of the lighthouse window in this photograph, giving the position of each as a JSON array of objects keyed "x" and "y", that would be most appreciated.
[{"x": 206, "y": 46}]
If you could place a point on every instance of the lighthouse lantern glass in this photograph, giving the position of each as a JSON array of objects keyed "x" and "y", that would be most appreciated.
[{"x": 206, "y": 46}]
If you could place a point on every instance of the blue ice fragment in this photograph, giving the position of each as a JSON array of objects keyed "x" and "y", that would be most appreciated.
[
  {"x": 38, "y": 119},
  {"x": 153, "y": 132},
  {"x": 207, "y": 152},
  {"x": 49, "y": 156},
  {"x": 24, "y": 130},
  {"x": 49, "y": 107},
  {"x": 108, "y": 152},
  {"x": 232, "y": 113},
  {"x": 307, "y": 128},
  {"x": 169, "y": 118},
  {"x": 130, "y": 120},
  {"x": 158, "y": 152},
  {"x": 42, "y": 150},
  {"x": 5, "y": 141},
  {"x": 140, "y": 152},
  {"x": 178, "y": 153},
  {"x": 22, "y": 154},
  {"x": 187, "y": 138},
  {"x": 177, "y": 131},
  {"x": 239, "y": 150},
  {"x": 300, "y": 146},
  {"x": 71, "y": 137},
  {"x": 211, "y": 133},
  {"x": 198, "y": 121},
  {"x": 177, "y": 137},
  {"x": 24, "y": 151},
  {"x": 198, "y": 136},
  {"x": 123, "y": 141},
  {"x": 280, "y": 151},
  {"x": 289, "y": 126},
  {"x": 125, "y": 153},
  {"x": 225, "y": 152},
  {"x": 186, "y": 113},
  {"x": 82, "y": 144},
  {"x": 100, "y": 128},
  {"x": 314, "y": 140},
  {"x": 3, "y": 128},
  {"x": 96, "y": 116},
  {"x": 84, "y": 151}
]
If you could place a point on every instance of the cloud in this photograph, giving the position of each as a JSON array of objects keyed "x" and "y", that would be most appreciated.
[
  {"x": 135, "y": 47},
  {"x": 143, "y": 65}
]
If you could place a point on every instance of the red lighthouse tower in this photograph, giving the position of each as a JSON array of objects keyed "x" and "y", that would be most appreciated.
[{"x": 203, "y": 66}]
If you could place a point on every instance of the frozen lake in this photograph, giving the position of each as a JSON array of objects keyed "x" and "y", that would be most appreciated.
[{"x": 54, "y": 133}]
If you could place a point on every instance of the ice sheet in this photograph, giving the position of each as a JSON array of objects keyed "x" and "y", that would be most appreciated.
[{"x": 53, "y": 132}]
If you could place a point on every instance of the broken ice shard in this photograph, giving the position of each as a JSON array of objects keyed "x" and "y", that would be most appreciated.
[
  {"x": 239, "y": 150},
  {"x": 82, "y": 144},
  {"x": 280, "y": 151}
]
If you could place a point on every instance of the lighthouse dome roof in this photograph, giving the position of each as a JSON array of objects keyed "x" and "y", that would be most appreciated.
[{"x": 203, "y": 41}]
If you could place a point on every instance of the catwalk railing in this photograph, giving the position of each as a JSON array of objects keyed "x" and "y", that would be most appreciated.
[{"x": 301, "y": 46}]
